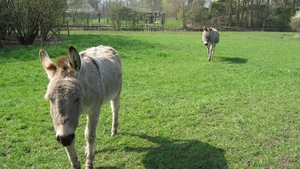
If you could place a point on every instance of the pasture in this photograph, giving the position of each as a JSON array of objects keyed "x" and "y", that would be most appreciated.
[{"x": 240, "y": 110}]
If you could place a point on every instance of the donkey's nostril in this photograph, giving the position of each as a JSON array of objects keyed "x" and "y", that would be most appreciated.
[{"x": 65, "y": 140}]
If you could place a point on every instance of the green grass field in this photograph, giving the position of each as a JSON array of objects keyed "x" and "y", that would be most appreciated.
[{"x": 241, "y": 110}]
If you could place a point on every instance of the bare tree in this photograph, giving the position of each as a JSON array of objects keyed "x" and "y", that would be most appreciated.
[
  {"x": 155, "y": 5},
  {"x": 51, "y": 14},
  {"x": 185, "y": 9},
  {"x": 73, "y": 6},
  {"x": 4, "y": 19},
  {"x": 113, "y": 13},
  {"x": 29, "y": 16}
]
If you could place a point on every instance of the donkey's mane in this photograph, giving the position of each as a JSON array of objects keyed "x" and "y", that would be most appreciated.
[{"x": 62, "y": 62}]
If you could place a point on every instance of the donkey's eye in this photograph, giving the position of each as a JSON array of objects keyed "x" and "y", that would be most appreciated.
[{"x": 76, "y": 101}]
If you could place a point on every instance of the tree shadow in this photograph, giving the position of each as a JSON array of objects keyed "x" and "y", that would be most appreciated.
[
  {"x": 108, "y": 167},
  {"x": 80, "y": 41},
  {"x": 235, "y": 60},
  {"x": 179, "y": 154}
]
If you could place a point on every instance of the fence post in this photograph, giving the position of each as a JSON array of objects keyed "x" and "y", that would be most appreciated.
[{"x": 68, "y": 28}]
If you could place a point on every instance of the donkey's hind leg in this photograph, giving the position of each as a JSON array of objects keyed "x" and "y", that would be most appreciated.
[{"x": 115, "y": 106}]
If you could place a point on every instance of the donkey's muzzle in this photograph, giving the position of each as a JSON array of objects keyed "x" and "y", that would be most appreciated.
[{"x": 66, "y": 140}]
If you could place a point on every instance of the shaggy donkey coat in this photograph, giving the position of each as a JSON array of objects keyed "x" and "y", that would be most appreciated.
[
  {"x": 80, "y": 84},
  {"x": 210, "y": 38}
]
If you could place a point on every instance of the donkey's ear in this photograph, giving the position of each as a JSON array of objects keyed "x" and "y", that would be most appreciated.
[
  {"x": 47, "y": 64},
  {"x": 74, "y": 58}
]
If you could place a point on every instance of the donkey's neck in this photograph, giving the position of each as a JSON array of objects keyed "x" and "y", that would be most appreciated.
[{"x": 91, "y": 81}]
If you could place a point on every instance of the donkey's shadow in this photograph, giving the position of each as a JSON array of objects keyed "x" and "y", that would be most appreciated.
[
  {"x": 179, "y": 153},
  {"x": 235, "y": 60}
]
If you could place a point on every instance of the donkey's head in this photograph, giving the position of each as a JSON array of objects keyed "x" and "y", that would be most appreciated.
[
  {"x": 205, "y": 35},
  {"x": 65, "y": 93}
]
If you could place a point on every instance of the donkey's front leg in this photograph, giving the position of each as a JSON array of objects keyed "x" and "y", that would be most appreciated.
[
  {"x": 90, "y": 136},
  {"x": 73, "y": 156},
  {"x": 209, "y": 47}
]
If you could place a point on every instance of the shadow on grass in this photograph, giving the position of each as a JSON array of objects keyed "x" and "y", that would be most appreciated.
[
  {"x": 235, "y": 60},
  {"x": 115, "y": 41},
  {"x": 80, "y": 41},
  {"x": 179, "y": 153},
  {"x": 106, "y": 168}
]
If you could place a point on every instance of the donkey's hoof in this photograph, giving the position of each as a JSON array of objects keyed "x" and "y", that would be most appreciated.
[
  {"x": 89, "y": 164},
  {"x": 76, "y": 165},
  {"x": 113, "y": 133},
  {"x": 114, "y": 129}
]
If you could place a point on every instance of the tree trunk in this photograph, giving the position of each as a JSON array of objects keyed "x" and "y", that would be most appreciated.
[
  {"x": 285, "y": 4},
  {"x": 183, "y": 18},
  {"x": 87, "y": 19},
  {"x": 251, "y": 15},
  {"x": 229, "y": 12},
  {"x": 258, "y": 11},
  {"x": 243, "y": 9},
  {"x": 237, "y": 18},
  {"x": 294, "y": 8},
  {"x": 27, "y": 40},
  {"x": 266, "y": 15}
]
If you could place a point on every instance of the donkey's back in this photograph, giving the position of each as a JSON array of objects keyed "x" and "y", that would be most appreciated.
[
  {"x": 107, "y": 63},
  {"x": 214, "y": 34}
]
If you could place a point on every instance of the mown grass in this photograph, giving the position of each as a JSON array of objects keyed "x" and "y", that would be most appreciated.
[{"x": 241, "y": 110}]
